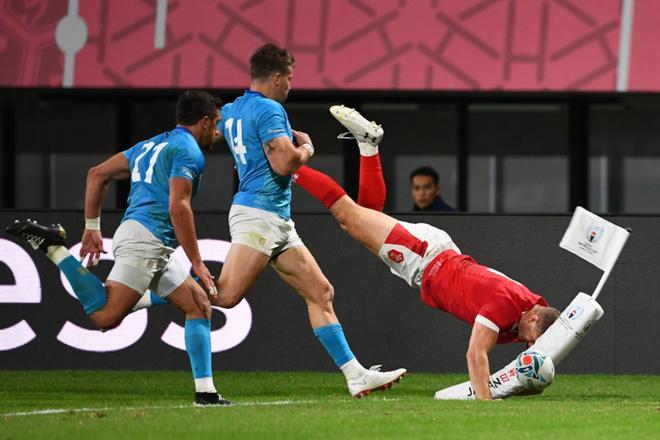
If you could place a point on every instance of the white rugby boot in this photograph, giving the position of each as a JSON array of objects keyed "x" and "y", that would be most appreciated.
[
  {"x": 366, "y": 133},
  {"x": 373, "y": 380}
]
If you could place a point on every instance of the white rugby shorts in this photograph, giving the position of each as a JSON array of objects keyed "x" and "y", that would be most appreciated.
[
  {"x": 410, "y": 247},
  {"x": 261, "y": 230},
  {"x": 142, "y": 261}
]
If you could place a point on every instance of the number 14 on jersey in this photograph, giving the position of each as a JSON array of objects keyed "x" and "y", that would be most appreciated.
[{"x": 236, "y": 142}]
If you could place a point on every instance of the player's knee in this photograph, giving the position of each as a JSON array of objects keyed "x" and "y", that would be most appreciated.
[
  {"x": 201, "y": 304},
  {"x": 226, "y": 301},
  {"x": 325, "y": 293},
  {"x": 198, "y": 309},
  {"x": 105, "y": 321},
  {"x": 207, "y": 311}
]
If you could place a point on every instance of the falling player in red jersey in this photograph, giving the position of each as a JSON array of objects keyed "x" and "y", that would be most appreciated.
[{"x": 498, "y": 308}]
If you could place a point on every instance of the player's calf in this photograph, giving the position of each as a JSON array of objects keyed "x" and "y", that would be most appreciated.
[{"x": 50, "y": 239}]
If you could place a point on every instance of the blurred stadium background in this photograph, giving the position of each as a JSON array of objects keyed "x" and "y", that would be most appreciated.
[{"x": 527, "y": 108}]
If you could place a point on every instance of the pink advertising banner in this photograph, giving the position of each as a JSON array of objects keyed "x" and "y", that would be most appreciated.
[{"x": 528, "y": 45}]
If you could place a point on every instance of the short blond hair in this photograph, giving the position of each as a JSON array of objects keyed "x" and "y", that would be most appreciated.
[{"x": 547, "y": 317}]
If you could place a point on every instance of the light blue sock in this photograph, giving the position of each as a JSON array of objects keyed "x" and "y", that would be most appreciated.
[
  {"x": 198, "y": 346},
  {"x": 87, "y": 287},
  {"x": 155, "y": 299},
  {"x": 148, "y": 299},
  {"x": 333, "y": 340}
]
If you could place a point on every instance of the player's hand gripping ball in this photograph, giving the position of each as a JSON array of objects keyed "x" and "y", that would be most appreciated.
[{"x": 534, "y": 370}]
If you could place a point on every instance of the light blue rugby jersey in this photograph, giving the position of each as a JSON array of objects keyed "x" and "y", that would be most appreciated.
[
  {"x": 152, "y": 163},
  {"x": 248, "y": 123}
]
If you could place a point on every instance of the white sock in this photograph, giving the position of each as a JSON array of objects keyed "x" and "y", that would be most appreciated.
[
  {"x": 57, "y": 253},
  {"x": 366, "y": 149},
  {"x": 205, "y": 385},
  {"x": 144, "y": 302},
  {"x": 352, "y": 369}
]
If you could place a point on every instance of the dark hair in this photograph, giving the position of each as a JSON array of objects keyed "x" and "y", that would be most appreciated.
[
  {"x": 425, "y": 171},
  {"x": 193, "y": 105},
  {"x": 269, "y": 59},
  {"x": 547, "y": 317}
]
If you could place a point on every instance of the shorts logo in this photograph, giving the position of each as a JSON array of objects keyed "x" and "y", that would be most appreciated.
[
  {"x": 594, "y": 233},
  {"x": 575, "y": 312},
  {"x": 395, "y": 256}
]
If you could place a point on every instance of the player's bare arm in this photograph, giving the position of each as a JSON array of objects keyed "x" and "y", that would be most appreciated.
[
  {"x": 482, "y": 341},
  {"x": 284, "y": 157},
  {"x": 98, "y": 178},
  {"x": 181, "y": 214}
]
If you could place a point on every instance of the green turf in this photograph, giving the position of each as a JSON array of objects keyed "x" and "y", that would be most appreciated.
[{"x": 126, "y": 405}]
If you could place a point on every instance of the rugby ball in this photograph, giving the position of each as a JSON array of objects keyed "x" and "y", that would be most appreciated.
[{"x": 534, "y": 370}]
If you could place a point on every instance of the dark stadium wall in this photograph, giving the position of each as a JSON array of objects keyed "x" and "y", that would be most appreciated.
[{"x": 384, "y": 319}]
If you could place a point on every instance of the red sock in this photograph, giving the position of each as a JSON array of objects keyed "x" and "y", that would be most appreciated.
[
  {"x": 371, "y": 189},
  {"x": 323, "y": 187}
]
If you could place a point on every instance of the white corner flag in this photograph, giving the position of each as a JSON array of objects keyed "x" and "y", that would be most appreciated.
[{"x": 594, "y": 239}]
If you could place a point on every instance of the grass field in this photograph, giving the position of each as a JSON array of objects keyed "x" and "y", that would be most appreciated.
[{"x": 125, "y": 405}]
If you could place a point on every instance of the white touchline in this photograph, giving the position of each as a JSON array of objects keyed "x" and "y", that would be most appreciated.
[{"x": 50, "y": 411}]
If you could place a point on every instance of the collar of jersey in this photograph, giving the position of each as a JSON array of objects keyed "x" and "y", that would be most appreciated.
[
  {"x": 181, "y": 127},
  {"x": 253, "y": 92},
  {"x": 185, "y": 130}
]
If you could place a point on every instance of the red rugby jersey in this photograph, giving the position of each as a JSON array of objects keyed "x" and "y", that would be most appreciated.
[{"x": 460, "y": 286}]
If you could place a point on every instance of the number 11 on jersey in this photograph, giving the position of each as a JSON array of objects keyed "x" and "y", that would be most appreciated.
[{"x": 236, "y": 142}]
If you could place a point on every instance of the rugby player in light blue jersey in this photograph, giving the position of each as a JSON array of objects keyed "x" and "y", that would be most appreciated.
[
  {"x": 266, "y": 152},
  {"x": 165, "y": 172}
]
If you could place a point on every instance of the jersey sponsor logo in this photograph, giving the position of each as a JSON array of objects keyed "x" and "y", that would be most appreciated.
[
  {"x": 187, "y": 171},
  {"x": 594, "y": 233},
  {"x": 276, "y": 130},
  {"x": 395, "y": 256}
]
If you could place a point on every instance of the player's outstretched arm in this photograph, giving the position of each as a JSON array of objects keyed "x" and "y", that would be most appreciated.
[
  {"x": 181, "y": 214},
  {"x": 98, "y": 178},
  {"x": 284, "y": 157},
  {"x": 482, "y": 340}
]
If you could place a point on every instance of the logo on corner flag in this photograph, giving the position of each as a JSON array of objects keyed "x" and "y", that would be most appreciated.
[
  {"x": 594, "y": 233},
  {"x": 395, "y": 255},
  {"x": 575, "y": 311}
]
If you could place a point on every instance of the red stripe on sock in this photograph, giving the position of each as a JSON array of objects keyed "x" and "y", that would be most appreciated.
[
  {"x": 321, "y": 186},
  {"x": 371, "y": 190}
]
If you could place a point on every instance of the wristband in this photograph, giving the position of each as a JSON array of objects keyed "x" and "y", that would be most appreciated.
[
  {"x": 309, "y": 148},
  {"x": 93, "y": 224}
]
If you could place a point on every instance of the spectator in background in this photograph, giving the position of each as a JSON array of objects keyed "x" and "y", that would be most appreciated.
[{"x": 425, "y": 190}]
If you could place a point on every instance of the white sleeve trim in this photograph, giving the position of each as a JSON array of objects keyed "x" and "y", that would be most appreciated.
[{"x": 487, "y": 322}]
